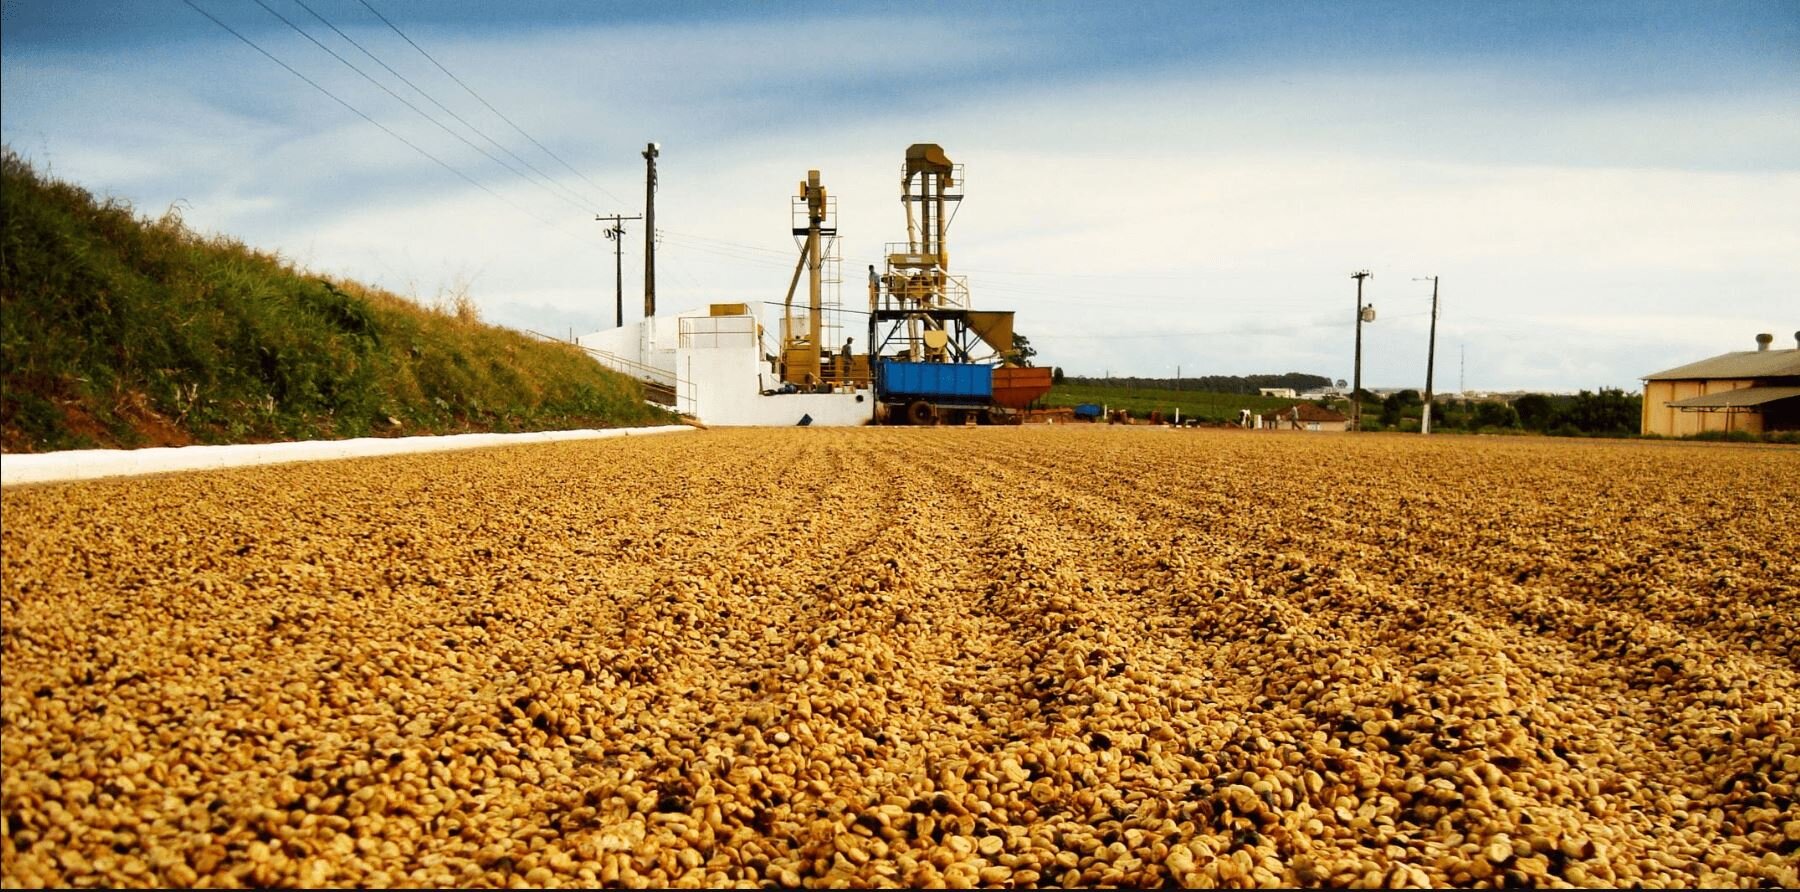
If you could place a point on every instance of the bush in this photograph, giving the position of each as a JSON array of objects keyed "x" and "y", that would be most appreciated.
[
  {"x": 1745, "y": 437},
  {"x": 1535, "y": 411}
]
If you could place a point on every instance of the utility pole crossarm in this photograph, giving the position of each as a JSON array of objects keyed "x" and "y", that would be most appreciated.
[{"x": 616, "y": 234}]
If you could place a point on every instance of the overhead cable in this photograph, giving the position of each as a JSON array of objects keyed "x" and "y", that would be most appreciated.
[
  {"x": 489, "y": 106},
  {"x": 383, "y": 127},
  {"x": 404, "y": 101},
  {"x": 583, "y": 202}
]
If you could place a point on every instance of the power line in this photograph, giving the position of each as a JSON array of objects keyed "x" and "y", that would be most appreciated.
[
  {"x": 787, "y": 252},
  {"x": 1154, "y": 335},
  {"x": 484, "y": 102},
  {"x": 361, "y": 114},
  {"x": 404, "y": 101},
  {"x": 446, "y": 109},
  {"x": 680, "y": 241}
]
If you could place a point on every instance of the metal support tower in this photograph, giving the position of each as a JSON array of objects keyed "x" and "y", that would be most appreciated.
[
  {"x": 920, "y": 309},
  {"x": 650, "y": 154},
  {"x": 616, "y": 234},
  {"x": 1356, "y": 384},
  {"x": 801, "y": 355}
]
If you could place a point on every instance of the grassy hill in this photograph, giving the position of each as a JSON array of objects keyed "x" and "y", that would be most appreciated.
[
  {"x": 117, "y": 330},
  {"x": 1140, "y": 401}
]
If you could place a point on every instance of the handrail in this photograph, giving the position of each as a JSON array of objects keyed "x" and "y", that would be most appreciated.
[
  {"x": 631, "y": 367},
  {"x": 655, "y": 375}
]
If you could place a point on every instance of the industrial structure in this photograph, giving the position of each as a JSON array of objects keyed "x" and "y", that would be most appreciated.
[
  {"x": 806, "y": 359},
  {"x": 930, "y": 357},
  {"x": 935, "y": 356},
  {"x": 1754, "y": 391}
]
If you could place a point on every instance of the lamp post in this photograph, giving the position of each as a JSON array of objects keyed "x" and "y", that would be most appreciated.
[{"x": 1363, "y": 314}]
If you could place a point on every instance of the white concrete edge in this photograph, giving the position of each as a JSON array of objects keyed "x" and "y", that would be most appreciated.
[{"x": 89, "y": 464}]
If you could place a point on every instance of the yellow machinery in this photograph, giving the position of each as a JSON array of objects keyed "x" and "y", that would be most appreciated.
[
  {"x": 808, "y": 359},
  {"x": 801, "y": 352},
  {"x": 918, "y": 312}
]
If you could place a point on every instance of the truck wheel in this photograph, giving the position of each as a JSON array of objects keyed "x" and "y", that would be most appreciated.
[{"x": 921, "y": 413}]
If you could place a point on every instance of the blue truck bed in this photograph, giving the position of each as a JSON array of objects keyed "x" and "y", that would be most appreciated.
[{"x": 943, "y": 381}]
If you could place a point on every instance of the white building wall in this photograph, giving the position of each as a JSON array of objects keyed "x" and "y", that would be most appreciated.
[
  {"x": 651, "y": 342},
  {"x": 720, "y": 372},
  {"x": 625, "y": 342},
  {"x": 723, "y": 375}
]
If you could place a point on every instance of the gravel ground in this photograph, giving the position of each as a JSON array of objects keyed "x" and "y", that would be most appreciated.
[{"x": 933, "y": 657}]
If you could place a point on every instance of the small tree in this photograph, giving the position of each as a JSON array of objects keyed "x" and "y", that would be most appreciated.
[
  {"x": 1390, "y": 410},
  {"x": 1609, "y": 412},
  {"x": 1495, "y": 415},
  {"x": 1022, "y": 351},
  {"x": 1056, "y": 375},
  {"x": 1535, "y": 411}
]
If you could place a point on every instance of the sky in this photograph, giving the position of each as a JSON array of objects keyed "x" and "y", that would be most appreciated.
[{"x": 1603, "y": 189}]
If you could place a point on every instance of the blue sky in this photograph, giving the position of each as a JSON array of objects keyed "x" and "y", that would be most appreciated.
[{"x": 1605, "y": 189}]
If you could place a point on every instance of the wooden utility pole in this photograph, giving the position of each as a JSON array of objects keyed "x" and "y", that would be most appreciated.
[
  {"x": 1356, "y": 384},
  {"x": 616, "y": 233},
  {"x": 650, "y": 153},
  {"x": 1430, "y": 359}
]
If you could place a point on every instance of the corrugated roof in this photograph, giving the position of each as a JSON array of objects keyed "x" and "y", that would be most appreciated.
[
  {"x": 1733, "y": 399},
  {"x": 1741, "y": 364}
]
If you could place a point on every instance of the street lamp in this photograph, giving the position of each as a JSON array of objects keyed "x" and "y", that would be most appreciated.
[{"x": 1364, "y": 313}]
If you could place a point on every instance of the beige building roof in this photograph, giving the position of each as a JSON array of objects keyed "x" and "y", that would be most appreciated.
[
  {"x": 1732, "y": 399},
  {"x": 1741, "y": 364}
]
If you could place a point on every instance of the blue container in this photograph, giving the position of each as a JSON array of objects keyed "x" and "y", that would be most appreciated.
[
  {"x": 1087, "y": 410},
  {"x": 944, "y": 381}
]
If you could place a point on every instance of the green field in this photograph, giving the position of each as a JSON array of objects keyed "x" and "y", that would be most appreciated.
[
  {"x": 1140, "y": 401},
  {"x": 117, "y": 330}
]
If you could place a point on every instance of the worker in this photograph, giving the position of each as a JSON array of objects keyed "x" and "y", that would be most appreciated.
[
  {"x": 874, "y": 287},
  {"x": 844, "y": 361}
]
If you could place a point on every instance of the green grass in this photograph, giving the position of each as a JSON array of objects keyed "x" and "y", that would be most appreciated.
[
  {"x": 117, "y": 330},
  {"x": 1141, "y": 401}
]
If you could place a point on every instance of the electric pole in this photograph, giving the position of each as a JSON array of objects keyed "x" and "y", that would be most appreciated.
[
  {"x": 1430, "y": 358},
  {"x": 616, "y": 234},
  {"x": 650, "y": 153},
  {"x": 1356, "y": 384}
]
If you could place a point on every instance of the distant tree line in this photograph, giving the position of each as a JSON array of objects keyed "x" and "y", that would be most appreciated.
[
  {"x": 1608, "y": 412},
  {"x": 1297, "y": 381}
]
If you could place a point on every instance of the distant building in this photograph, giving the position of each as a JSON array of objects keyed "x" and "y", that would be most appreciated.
[
  {"x": 1305, "y": 417},
  {"x": 1286, "y": 393},
  {"x": 1748, "y": 390}
]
